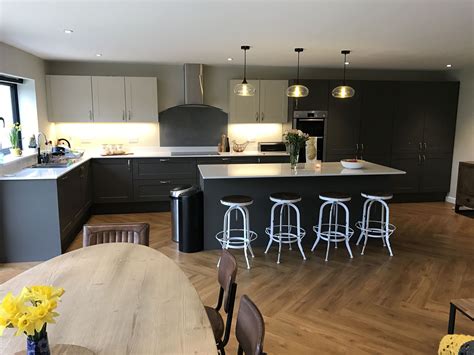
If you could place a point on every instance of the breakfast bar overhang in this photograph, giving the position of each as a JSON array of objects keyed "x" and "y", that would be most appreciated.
[{"x": 258, "y": 181}]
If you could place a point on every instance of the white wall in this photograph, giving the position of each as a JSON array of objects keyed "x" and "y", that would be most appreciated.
[
  {"x": 464, "y": 138},
  {"x": 31, "y": 94}
]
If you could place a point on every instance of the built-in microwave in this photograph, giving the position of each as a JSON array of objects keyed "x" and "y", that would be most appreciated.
[{"x": 313, "y": 123}]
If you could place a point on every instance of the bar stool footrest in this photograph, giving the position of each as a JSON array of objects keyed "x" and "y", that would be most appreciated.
[
  {"x": 337, "y": 234},
  {"x": 288, "y": 235},
  {"x": 235, "y": 242},
  {"x": 376, "y": 229}
]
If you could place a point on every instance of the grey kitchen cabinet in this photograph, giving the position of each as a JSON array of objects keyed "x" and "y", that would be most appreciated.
[
  {"x": 69, "y": 98},
  {"x": 112, "y": 180},
  {"x": 376, "y": 120},
  {"x": 70, "y": 201},
  {"x": 268, "y": 105},
  {"x": 151, "y": 190},
  {"x": 108, "y": 94},
  {"x": 317, "y": 99},
  {"x": 273, "y": 159},
  {"x": 141, "y": 99},
  {"x": 411, "y": 164},
  {"x": 343, "y": 123}
]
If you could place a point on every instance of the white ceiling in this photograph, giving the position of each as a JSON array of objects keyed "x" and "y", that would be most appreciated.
[{"x": 389, "y": 34}]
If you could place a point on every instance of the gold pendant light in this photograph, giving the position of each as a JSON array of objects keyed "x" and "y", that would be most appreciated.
[
  {"x": 344, "y": 91},
  {"x": 297, "y": 90},
  {"x": 244, "y": 88}
]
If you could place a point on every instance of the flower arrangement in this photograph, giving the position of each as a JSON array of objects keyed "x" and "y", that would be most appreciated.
[
  {"x": 294, "y": 140},
  {"x": 14, "y": 136},
  {"x": 30, "y": 312}
]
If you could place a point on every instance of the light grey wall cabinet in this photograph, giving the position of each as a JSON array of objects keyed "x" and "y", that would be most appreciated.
[
  {"x": 102, "y": 98},
  {"x": 268, "y": 105},
  {"x": 69, "y": 98}
]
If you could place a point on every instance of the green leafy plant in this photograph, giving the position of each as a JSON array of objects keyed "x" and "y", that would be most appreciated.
[{"x": 14, "y": 135}]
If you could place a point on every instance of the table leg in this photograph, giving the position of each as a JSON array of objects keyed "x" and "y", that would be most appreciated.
[{"x": 452, "y": 318}]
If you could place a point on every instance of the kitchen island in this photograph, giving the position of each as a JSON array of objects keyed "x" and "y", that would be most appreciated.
[{"x": 309, "y": 180}]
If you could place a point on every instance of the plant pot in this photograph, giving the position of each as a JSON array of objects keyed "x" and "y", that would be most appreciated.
[
  {"x": 38, "y": 346},
  {"x": 16, "y": 152}
]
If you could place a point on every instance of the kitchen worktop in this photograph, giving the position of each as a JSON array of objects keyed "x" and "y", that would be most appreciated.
[
  {"x": 55, "y": 173},
  {"x": 236, "y": 171}
]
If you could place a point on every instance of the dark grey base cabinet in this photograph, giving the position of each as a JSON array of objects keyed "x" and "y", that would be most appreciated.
[{"x": 112, "y": 180}]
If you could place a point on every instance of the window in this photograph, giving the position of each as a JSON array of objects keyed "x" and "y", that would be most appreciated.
[{"x": 8, "y": 113}]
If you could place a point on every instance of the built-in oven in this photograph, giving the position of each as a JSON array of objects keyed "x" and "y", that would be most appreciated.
[{"x": 313, "y": 123}]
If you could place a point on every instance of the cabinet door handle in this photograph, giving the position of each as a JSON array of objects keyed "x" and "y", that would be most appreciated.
[
  {"x": 164, "y": 160},
  {"x": 419, "y": 159},
  {"x": 425, "y": 145},
  {"x": 129, "y": 115},
  {"x": 165, "y": 182},
  {"x": 90, "y": 115},
  {"x": 263, "y": 116},
  {"x": 128, "y": 164},
  {"x": 225, "y": 159},
  {"x": 256, "y": 116},
  {"x": 123, "y": 115},
  {"x": 64, "y": 178},
  {"x": 424, "y": 158},
  {"x": 420, "y": 146},
  {"x": 357, "y": 146},
  {"x": 362, "y": 146}
]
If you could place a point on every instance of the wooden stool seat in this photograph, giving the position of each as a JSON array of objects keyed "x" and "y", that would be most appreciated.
[
  {"x": 236, "y": 200},
  {"x": 291, "y": 197},
  {"x": 335, "y": 196}
]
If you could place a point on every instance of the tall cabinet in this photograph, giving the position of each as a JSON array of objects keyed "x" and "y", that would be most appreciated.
[{"x": 268, "y": 105}]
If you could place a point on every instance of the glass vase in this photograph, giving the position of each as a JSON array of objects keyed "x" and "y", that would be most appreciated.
[
  {"x": 38, "y": 344},
  {"x": 294, "y": 150}
]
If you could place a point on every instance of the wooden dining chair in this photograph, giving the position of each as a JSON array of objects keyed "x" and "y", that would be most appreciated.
[
  {"x": 250, "y": 328},
  {"x": 137, "y": 233},
  {"x": 228, "y": 288}
]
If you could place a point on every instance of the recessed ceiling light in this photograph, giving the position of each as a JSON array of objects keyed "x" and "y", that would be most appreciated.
[
  {"x": 448, "y": 65},
  {"x": 230, "y": 59},
  {"x": 98, "y": 55},
  {"x": 68, "y": 31},
  {"x": 346, "y": 63}
]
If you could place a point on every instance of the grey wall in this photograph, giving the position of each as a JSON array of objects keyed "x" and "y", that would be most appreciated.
[
  {"x": 464, "y": 139},
  {"x": 170, "y": 77}
]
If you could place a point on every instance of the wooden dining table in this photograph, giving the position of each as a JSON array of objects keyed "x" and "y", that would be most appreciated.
[{"x": 119, "y": 298}]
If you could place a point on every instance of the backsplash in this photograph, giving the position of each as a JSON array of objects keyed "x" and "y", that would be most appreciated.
[{"x": 93, "y": 135}]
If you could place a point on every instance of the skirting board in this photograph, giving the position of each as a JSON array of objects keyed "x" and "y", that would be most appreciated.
[{"x": 450, "y": 199}]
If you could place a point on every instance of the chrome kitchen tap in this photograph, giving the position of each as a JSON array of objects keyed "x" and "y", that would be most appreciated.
[{"x": 39, "y": 145}]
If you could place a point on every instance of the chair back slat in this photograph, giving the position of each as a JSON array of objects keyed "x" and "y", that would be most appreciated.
[{"x": 137, "y": 233}]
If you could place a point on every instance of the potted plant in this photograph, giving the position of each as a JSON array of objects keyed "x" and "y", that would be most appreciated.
[
  {"x": 294, "y": 140},
  {"x": 15, "y": 139},
  {"x": 29, "y": 313}
]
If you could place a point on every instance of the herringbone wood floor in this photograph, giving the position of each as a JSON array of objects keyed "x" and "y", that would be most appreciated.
[{"x": 372, "y": 304}]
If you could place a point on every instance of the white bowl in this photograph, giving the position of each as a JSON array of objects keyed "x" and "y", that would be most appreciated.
[{"x": 349, "y": 164}]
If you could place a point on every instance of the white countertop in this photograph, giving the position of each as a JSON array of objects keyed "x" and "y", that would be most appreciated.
[
  {"x": 55, "y": 173},
  {"x": 235, "y": 171}
]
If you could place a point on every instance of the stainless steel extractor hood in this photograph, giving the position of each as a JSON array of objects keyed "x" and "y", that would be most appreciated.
[{"x": 193, "y": 84}]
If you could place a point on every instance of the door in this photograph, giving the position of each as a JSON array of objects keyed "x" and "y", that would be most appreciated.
[
  {"x": 377, "y": 112},
  {"x": 407, "y": 135},
  {"x": 69, "y": 98},
  {"x": 141, "y": 98},
  {"x": 112, "y": 180},
  {"x": 440, "y": 116},
  {"x": 244, "y": 109},
  {"x": 273, "y": 101},
  {"x": 343, "y": 123},
  {"x": 108, "y": 93},
  {"x": 410, "y": 182},
  {"x": 317, "y": 98}
]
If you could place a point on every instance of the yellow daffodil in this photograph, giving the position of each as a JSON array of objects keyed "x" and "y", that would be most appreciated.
[
  {"x": 26, "y": 325},
  {"x": 11, "y": 308}
]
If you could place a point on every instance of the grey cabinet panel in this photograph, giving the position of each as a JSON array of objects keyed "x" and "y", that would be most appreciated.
[
  {"x": 274, "y": 159},
  {"x": 86, "y": 185},
  {"x": 409, "y": 118},
  {"x": 69, "y": 200},
  {"x": 343, "y": 123},
  {"x": 112, "y": 180},
  {"x": 377, "y": 112},
  {"x": 157, "y": 190},
  {"x": 436, "y": 172},
  {"x": 440, "y": 116},
  {"x": 228, "y": 160},
  {"x": 164, "y": 168},
  {"x": 410, "y": 182},
  {"x": 317, "y": 98}
]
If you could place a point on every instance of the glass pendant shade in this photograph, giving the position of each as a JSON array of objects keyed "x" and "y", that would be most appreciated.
[
  {"x": 343, "y": 92},
  {"x": 244, "y": 89},
  {"x": 297, "y": 91}
]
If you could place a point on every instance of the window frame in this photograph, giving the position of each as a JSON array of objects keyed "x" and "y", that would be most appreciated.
[{"x": 15, "y": 110}]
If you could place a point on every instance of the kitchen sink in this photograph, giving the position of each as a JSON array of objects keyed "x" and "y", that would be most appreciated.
[{"x": 50, "y": 165}]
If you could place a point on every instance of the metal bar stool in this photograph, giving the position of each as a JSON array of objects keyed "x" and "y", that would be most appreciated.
[
  {"x": 382, "y": 228},
  {"x": 237, "y": 238},
  {"x": 285, "y": 233},
  {"x": 333, "y": 231}
]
